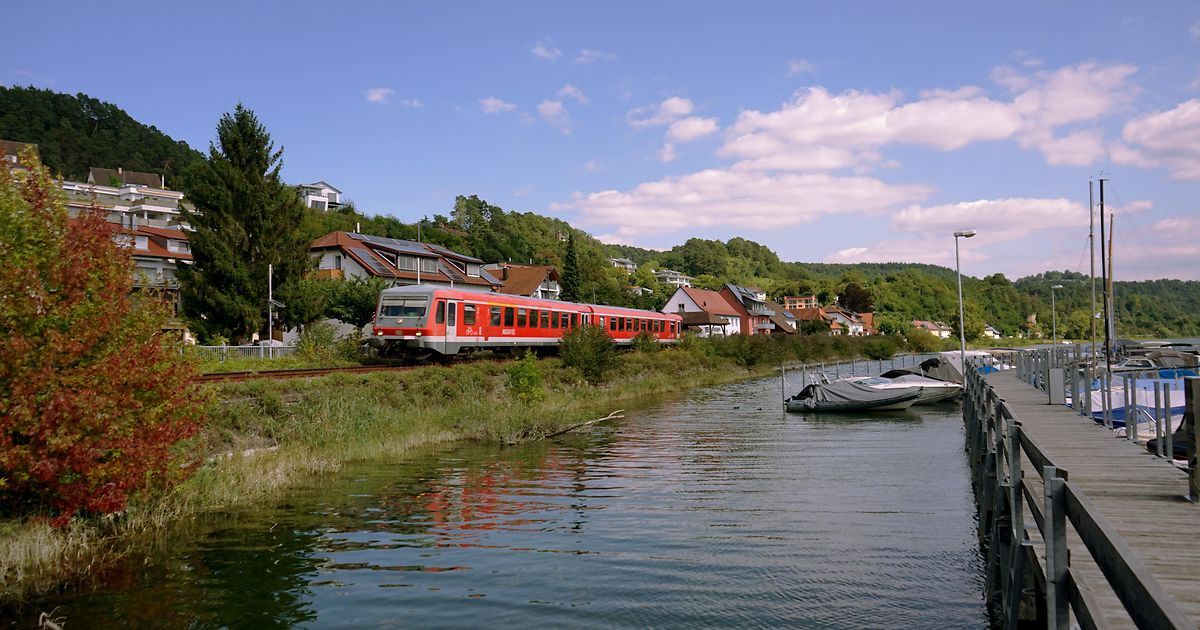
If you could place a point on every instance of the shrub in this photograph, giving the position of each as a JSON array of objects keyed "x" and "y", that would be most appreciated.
[
  {"x": 318, "y": 340},
  {"x": 95, "y": 396},
  {"x": 922, "y": 341},
  {"x": 589, "y": 351},
  {"x": 878, "y": 348},
  {"x": 749, "y": 350},
  {"x": 525, "y": 380},
  {"x": 645, "y": 342}
]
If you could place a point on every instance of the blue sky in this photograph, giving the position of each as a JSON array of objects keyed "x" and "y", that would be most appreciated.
[{"x": 831, "y": 134}]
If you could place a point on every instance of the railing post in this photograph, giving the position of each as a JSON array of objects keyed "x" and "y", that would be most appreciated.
[
  {"x": 1170, "y": 433},
  {"x": 1158, "y": 428},
  {"x": 1057, "y": 605},
  {"x": 1131, "y": 407}
]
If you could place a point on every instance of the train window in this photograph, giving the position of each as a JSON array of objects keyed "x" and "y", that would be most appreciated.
[
  {"x": 533, "y": 318},
  {"x": 495, "y": 315},
  {"x": 620, "y": 323},
  {"x": 574, "y": 320},
  {"x": 612, "y": 323},
  {"x": 509, "y": 313},
  {"x": 404, "y": 307},
  {"x": 522, "y": 316},
  {"x": 468, "y": 314},
  {"x": 629, "y": 323},
  {"x": 554, "y": 319},
  {"x": 545, "y": 319},
  {"x": 441, "y": 312},
  {"x": 452, "y": 316}
]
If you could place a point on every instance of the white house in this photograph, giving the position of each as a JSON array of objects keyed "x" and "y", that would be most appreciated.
[
  {"x": 130, "y": 198},
  {"x": 673, "y": 278},
  {"x": 623, "y": 263},
  {"x": 320, "y": 196},
  {"x": 706, "y": 312},
  {"x": 345, "y": 255}
]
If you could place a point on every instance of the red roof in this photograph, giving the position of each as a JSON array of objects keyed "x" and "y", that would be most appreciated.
[
  {"x": 710, "y": 301},
  {"x": 523, "y": 279}
]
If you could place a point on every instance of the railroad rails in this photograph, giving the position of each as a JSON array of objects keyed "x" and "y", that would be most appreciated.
[{"x": 296, "y": 373}]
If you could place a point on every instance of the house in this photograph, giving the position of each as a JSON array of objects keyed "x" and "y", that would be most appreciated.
[
  {"x": 811, "y": 314},
  {"x": 784, "y": 321},
  {"x": 937, "y": 329},
  {"x": 673, "y": 278},
  {"x": 11, "y": 151},
  {"x": 868, "y": 321},
  {"x": 536, "y": 281},
  {"x": 130, "y": 198},
  {"x": 706, "y": 312},
  {"x": 990, "y": 332},
  {"x": 624, "y": 263},
  {"x": 751, "y": 304},
  {"x": 320, "y": 196},
  {"x": 347, "y": 255},
  {"x": 847, "y": 320},
  {"x": 805, "y": 301}
]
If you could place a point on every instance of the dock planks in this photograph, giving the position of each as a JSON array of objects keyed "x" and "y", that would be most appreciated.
[{"x": 1140, "y": 495}]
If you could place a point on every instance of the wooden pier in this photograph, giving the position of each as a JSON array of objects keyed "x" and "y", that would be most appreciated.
[{"x": 1080, "y": 526}]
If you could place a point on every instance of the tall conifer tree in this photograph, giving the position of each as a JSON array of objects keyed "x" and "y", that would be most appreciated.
[
  {"x": 570, "y": 274},
  {"x": 245, "y": 218}
]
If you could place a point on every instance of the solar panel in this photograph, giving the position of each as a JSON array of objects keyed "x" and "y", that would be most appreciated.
[
  {"x": 366, "y": 257},
  {"x": 449, "y": 270},
  {"x": 395, "y": 244}
]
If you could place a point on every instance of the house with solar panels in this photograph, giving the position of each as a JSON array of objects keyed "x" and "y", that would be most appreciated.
[{"x": 346, "y": 255}]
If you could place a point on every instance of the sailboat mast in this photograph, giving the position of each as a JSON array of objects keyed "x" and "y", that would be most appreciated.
[
  {"x": 1092, "y": 251},
  {"x": 1112, "y": 300},
  {"x": 1104, "y": 283}
]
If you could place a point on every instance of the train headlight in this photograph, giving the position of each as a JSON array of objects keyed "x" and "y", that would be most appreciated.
[
  {"x": 418, "y": 333},
  {"x": 378, "y": 333}
]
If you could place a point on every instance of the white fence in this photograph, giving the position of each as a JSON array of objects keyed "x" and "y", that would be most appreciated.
[{"x": 221, "y": 353}]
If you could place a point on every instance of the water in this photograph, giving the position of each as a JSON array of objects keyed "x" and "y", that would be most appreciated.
[{"x": 717, "y": 510}]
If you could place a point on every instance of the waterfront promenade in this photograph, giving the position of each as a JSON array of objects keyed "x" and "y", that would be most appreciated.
[{"x": 1134, "y": 516}]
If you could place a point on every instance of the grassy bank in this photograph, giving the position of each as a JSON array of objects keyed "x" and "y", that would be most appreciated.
[{"x": 262, "y": 436}]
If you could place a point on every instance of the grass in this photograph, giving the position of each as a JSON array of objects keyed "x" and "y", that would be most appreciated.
[{"x": 261, "y": 437}]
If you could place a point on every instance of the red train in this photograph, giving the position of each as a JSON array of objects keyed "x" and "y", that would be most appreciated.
[{"x": 423, "y": 320}]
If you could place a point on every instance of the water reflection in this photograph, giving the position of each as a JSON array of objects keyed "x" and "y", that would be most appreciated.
[{"x": 715, "y": 510}]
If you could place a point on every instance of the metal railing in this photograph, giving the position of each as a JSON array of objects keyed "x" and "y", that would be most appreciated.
[
  {"x": 224, "y": 353},
  {"x": 1017, "y": 586}
]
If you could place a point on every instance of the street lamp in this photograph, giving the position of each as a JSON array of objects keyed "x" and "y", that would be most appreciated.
[
  {"x": 962, "y": 335},
  {"x": 1054, "y": 313}
]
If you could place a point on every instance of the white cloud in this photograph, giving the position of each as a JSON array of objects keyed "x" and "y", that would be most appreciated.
[
  {"x": 691, "y": 128},
  {"x": 379, "y": 95},
  {"x": 667, "y": 153},
  {"x": 410, "y": 102},
  {"x": 572, "y": 92},
  {"x": 1078, "y": 149},
  {"x": 998, "y": 219},
  {"x": 928, "y": 250},
  {"x": 800, "y": 66},
  {"x": 744, "y": 200},
  {"x": 493, "y": 105},
  {"x": 554, "y": 113},
  {"x": 590, "y": 55},
  {"x": 665, "y": 112},
  {"x": 593, "y": 166},
  {"x": 1170, "y": 138},
  {"x": 545, "y": 49},
  {"x": 523, "y": 191},
  {"x": 1195, "y": 30}
]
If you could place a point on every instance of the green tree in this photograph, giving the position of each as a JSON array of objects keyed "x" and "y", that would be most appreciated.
[
  {"x": 245, "y": 218},
  {"x": 571, "y": 275},
  {"x": 95, "y": 394}
]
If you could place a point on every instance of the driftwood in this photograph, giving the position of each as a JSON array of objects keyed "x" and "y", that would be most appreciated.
[{"x": 616, "y": 415}]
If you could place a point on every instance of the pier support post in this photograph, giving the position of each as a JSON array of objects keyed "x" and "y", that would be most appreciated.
[{"x": 1191, "y": 396}]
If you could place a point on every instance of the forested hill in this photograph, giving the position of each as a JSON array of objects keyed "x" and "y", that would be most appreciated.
[{"x": 74, "y": 133}]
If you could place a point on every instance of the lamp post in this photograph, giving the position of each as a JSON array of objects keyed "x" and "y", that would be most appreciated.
[
  {"x": 962, "y": 335},
  {"x": 1054, "y": 314}
]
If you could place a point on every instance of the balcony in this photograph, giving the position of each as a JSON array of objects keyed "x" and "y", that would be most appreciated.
[{"x": 330, "y": 274}]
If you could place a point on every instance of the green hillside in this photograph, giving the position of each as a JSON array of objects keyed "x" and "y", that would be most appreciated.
[{"x": 74, "y": 133}]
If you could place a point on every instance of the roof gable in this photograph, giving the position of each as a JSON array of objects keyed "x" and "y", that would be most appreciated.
[{"x": 710, "y": 301}]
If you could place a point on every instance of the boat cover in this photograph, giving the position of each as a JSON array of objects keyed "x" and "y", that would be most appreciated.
[{"x": 846, "y": 395}]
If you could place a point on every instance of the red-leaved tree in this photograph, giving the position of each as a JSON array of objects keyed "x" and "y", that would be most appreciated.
[{"x": 94, "y": 397}]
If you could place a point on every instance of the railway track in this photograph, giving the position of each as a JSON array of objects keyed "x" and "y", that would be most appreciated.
[{"x": 298, "y": 373}]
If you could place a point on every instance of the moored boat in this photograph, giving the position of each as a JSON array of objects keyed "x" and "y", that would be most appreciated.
[
  {"x": 932, "y": 390},
  {"x": 848, "y": 396}
]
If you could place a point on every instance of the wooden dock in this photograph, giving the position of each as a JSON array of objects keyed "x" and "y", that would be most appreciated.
[{"x": 1134, "y": 516}]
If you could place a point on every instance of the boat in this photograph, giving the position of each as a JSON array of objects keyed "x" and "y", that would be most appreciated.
[
  {"x": 932, "y": 389},
  {"x": 848, "y": 396}
]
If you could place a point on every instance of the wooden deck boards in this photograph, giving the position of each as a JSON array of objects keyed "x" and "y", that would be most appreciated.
[{"x": 1140, "y": 495}]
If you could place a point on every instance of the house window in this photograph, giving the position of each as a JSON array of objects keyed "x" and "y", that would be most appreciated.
[
  {"x": 317, "y": 204},
  {"x": 495, "y": 315},
  {"x": 473, "y": 270},
  {"x": 429, "y": 265},
  {"x": 509, "y": 318},
  {"x": 178, "y": 246},
  {"x": 468, "y": 314},
  {"x": 337, "y": 261},
  {"x": 406, "y": 263}
]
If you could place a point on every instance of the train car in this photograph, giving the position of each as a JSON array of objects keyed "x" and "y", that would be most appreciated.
[{"x": 425, "y": 320}]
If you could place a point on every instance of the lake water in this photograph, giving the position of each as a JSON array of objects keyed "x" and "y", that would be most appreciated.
[{"x": 713, "y": 510}]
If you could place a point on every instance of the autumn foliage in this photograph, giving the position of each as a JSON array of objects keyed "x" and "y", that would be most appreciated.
[{"x": 94, "y": 397}]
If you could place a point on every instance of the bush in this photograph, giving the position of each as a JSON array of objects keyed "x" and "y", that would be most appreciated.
[
  {"x": 318, "y": 341},
  {"x": 750, "y": 350},
  {"x": 645, "y": 342},
  {"x": 878, "y": 348},
  {"x": 95, "y": 396},
  {"x": 589, "y": 351},
  {"x": 525, "y": 380},
  {"x": 921, "y": 341}
]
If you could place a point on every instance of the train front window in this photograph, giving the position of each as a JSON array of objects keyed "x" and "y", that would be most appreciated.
[
  {"x": 441, "y": 313},
  {"x": 404, "y": 308}
]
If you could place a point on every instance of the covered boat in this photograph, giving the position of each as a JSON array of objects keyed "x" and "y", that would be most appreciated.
[
  {"x": 851, "y": 396},
  {"x": 932, "y": 390}
]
